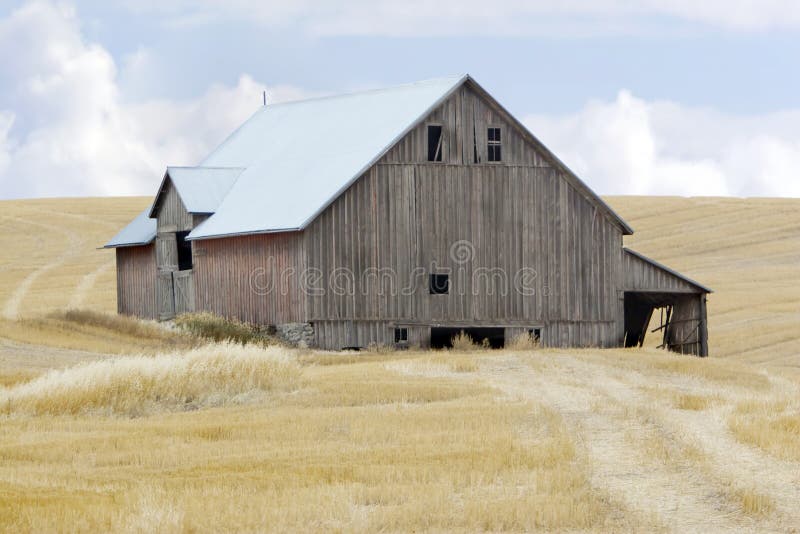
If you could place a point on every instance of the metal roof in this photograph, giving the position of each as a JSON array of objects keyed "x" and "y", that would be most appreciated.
[
  {"x": 299, "y": 156},
  {"x": 141, "y": 231},
  {"x": 667, "y": 269},
  {"x": 201, "y": 188},
  {"x": 288, "y": 162}
]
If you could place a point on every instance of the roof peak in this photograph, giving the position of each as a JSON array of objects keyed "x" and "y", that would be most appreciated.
[{"x": 456, "y": 78}]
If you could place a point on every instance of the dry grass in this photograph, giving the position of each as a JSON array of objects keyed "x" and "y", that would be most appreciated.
[
  {"x": 94, "y": 331},
  {"x": 523, "y": 342},
  {"x": 688, "y": 401},
  {"x": 463, "y": 342},
  {"x": 774, "y": 426},
  {"x": 216, "y": 328},
  {"x": 398, "y": 441},
  {"x": 209, "y": 375},
  {"x": 356, "y": 448}
]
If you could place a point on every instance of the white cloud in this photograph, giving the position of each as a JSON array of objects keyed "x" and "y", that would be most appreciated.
[
  {"x": 66, "y": 128},
  {"x": 474, "y": 17},
  {"x": 72, "y": 134},
  {"x": 630, "y": 146}
]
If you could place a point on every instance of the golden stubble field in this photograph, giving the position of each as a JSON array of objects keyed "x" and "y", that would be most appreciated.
[{"x": 110, "y": 424}]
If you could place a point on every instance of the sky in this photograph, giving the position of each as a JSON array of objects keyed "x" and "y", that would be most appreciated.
[{"x": 657, "y": 97}]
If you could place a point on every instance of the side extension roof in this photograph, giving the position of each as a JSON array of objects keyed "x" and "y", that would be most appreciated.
[{"x": 140, "y": 231}]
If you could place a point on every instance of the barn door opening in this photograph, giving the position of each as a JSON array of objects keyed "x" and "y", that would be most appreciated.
[
  {"x": 680, "y": 320},
  {"x": 442, "y": 337}
]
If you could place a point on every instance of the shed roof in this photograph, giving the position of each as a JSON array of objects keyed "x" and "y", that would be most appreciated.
[{"x": 140, "y": 231}]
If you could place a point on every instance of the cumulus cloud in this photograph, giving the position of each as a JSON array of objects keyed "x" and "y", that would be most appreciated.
[
  {"x": 477, "y": 17},
  {"x": 71, "y": 132},
  {"x": 631, "y": 146}
]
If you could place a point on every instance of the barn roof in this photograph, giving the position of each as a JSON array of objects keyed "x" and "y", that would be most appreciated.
[
  {"x": 140, "y": 231},
  {"x": 299, "y": 156},
  {"x": 201, "y": 188},
  {"x": 289, "y": 161}
]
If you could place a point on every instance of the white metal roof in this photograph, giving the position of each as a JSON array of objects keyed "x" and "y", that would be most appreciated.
[
  {"x": 202, "y": 188},
  {"x": 141, "y": 231},
  {"x": 299, "y": 156},
  {"x": 289, "y": 161}
]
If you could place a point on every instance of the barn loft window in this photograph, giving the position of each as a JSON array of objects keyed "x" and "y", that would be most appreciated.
[
  {"x": 401, "y": 335},
  {"x": 494, "y": 146},
  {"x": 440, "y": 284},
  {"x": 434, "y": 142},
  {"x": 184, "y": 251}
]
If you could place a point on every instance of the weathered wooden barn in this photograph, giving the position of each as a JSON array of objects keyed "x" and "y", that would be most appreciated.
[{"x": 398, "y": 216}]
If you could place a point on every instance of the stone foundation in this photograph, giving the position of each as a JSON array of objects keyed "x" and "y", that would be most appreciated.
[{"x": 297, "y": 334}]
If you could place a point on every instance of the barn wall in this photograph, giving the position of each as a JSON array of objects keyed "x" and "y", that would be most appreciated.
[
  {"x": 407, "y": 217},
  {"x": 136, "y": 275},
  {"x": 255, "y": 278},
  {"x": 380, "y": 240},
  {"x": 464, "y": 118},
  {"x": 174, "y": 289},
  {"x": 641, "y": 275},
  {"x": 686, "y": 332},
  {"x": 172, "y": 214}
]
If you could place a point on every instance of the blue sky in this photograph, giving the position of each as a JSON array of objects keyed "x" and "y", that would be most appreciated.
[{"x": 648, "y": 97}]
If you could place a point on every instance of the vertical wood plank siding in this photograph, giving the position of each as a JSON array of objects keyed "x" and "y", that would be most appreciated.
[
  {"x": 251, "y": 278},
  {"x": 174, "y": 289},
  {"x": 406, "y": 214},
  {"x": 641, "y": 275},
  {"x": 136, "y": 278},
  {"x": 361, "y": 267}
]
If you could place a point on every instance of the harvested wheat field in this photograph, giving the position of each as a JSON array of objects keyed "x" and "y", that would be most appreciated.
[{"x": 113, "y": 424}]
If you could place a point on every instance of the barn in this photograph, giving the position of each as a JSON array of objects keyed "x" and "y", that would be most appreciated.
[{"x": 398, "y": 216}]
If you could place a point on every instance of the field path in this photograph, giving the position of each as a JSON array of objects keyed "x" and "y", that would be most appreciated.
[
  {"x": 87, "y": 283},
  {"x": 72, "y": 247},
  {"x": 617, "y": 432}
]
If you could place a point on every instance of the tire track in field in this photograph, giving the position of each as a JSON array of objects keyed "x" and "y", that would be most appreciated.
[
  {"x": 678, "y": 496},
  {"x": 73, "y": 242},
  {"x": 87, "y": 283}
]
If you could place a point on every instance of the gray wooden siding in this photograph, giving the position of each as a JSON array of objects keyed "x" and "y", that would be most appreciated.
[
  {"x": 641, "y": 275},
  {"x": 174, "y": 289},
  {"x": 136, "y": 276},
  {"x": 520, "y": 216},
  {"x": 464, "y": 118},
  {"x": 172, "y": 214},
  {"x": 398, "y": 218},
  {"x": 687, "y": 331},
  {"x": 251, "y": 278}
]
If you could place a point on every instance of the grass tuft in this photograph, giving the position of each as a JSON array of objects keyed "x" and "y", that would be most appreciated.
[
  {"x": 210, "y": 375},
  {"x": 523, "y": 342},
  {"x": 216, "y": 328}
]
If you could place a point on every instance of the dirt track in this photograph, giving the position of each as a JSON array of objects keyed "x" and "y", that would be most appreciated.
[{"x": 678, "y": 469}]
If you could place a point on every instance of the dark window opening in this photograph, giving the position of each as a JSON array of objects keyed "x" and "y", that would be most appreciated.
[
  {"x": 440, "y": 284},
  {"x": 442, "y": 337},
  {"x": 434, "y": 143},
  {"x": 536, "y": 334},
  {"x": 494, "y": 144},
  {"x": 401, "y": 335},
  {"x": 184, "y": 251}
]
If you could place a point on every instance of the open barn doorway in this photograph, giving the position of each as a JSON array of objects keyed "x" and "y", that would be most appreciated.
[
  {"x": 680, "y": 320},
  {"x": 442, "y": 337}
]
